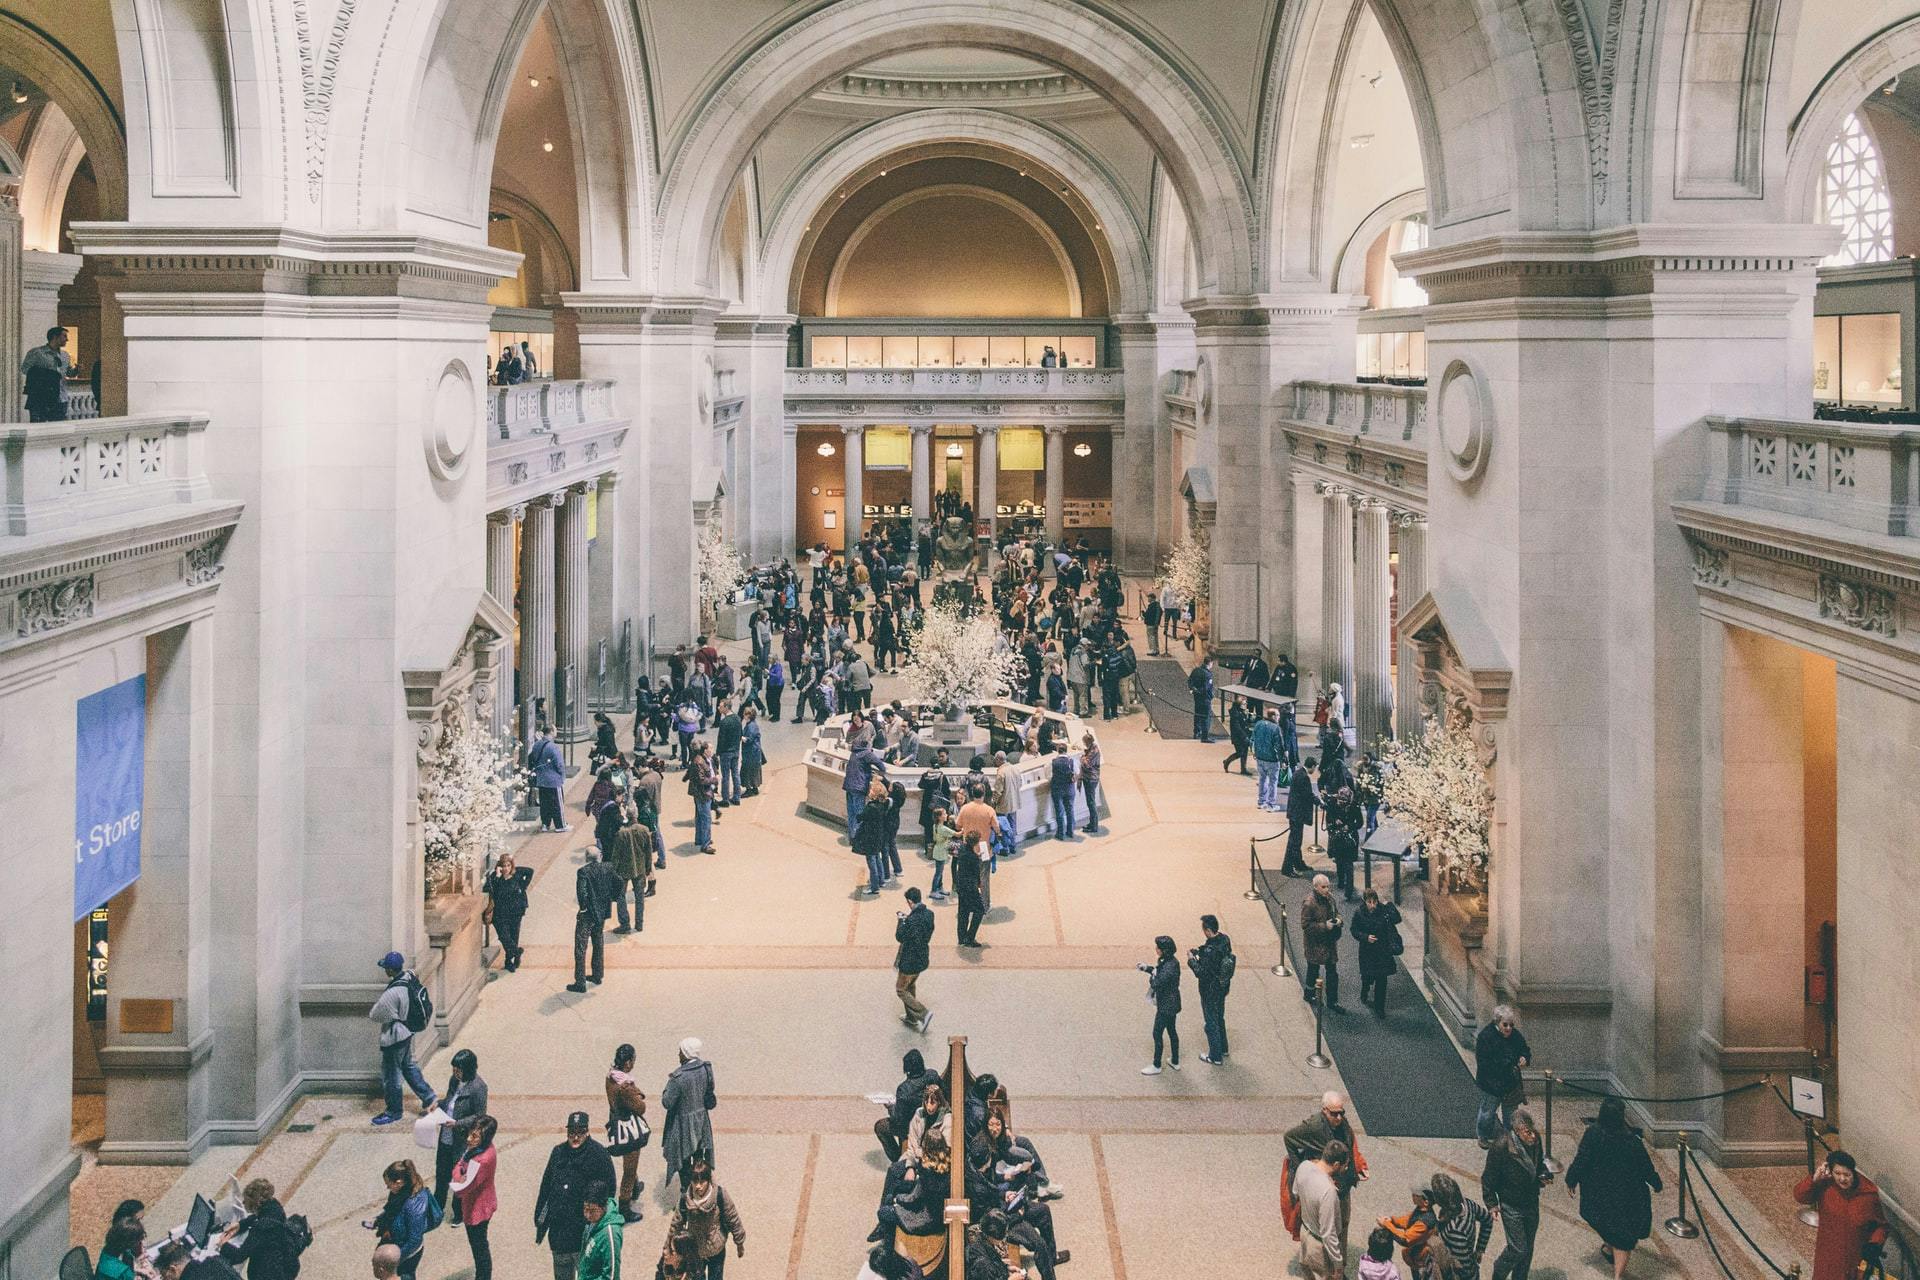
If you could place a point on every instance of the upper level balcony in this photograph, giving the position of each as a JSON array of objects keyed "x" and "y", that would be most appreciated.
[
  {"x": 1859, "y": 475},
  {"x": 545, "y": 436},
  {"x": 964, "y": 395},
  {"x": 1382, "y": 410}
]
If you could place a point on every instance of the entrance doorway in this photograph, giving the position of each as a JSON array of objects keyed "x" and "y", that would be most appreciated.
[{"x": 953, "y": 484}]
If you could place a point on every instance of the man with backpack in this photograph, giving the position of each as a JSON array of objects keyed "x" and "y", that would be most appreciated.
[
  {"x": 1213, "y": 964},
  {"x": 403, "y": 1011}
]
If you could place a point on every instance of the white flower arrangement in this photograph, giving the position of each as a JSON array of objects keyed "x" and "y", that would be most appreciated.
[
  {"x": 958, "y": 660},
  {"x": 1189, "y": 568},
  {"x": 465, "y": 804},
  {"x": 1437, "y": 786},
  {"x": 720, "y": 569}
]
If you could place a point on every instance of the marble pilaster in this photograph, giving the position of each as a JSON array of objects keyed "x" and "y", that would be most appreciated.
[
  {"x": 501, "y": 575},
  {"x": 1412, "y": 584},
  {"x": 986, "y": 466},
  {"x": 1056, "y": 491},
  {"x": 537, "y": 602},
  {"x": 570, "y": 601},
  {"x": 854, "y": 455},
  {"x": 922, "y": 477},
  {"x": 1309, "y": 589},
  {"x": 13, "y": 342},
  {"x": 1336, "y": 577},
  {"x": 1371, "y": 700}
]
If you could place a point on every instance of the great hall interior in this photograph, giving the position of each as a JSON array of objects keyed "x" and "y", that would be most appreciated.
[{"x": 1535, "y": 363}]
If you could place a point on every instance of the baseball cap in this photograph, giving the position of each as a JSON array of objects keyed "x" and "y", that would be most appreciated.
[
  {"x": 578, "y": 1120},
  {"x": 393, "y": 960}
]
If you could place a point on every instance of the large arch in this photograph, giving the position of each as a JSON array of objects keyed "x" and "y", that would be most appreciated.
[
  {"x": 1845, "y": 88},
  {"x": 454, "y": 107},
  {"x": 1121, "y": 235},
  {"x": 1498, "y": 103},
  {"x": 812, "y": 48},
  {"x": 84, "y": 103},
  {"x": 1349, "y": 273},
  {"x": 54, "y": 153}
]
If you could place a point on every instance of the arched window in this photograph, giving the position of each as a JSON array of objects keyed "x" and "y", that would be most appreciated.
[{"x": 1853, "y": 197}]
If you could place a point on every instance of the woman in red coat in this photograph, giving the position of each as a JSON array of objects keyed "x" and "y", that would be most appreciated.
[{"x": 1852, "y": 1227}]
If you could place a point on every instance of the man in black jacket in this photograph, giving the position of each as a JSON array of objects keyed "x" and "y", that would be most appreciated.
[
  {"x": 1516, "y": 1170},
  {"x": 726, "y": 750},
  {"x": 968, "y": 867},
  {"x": 912, "y": 931},
  {"x": 1200, "y": 684},
  {"x": 1301, "y": 802},
  {"x": 594, "y": 886},
  {"x": 1500, "y": 1054},
  {"x": 1210, "y": 962},
  {"x": 934, "y": 793},
  {"x": 892, "y": 1128},
  {"x": 575, "y": 1165}
]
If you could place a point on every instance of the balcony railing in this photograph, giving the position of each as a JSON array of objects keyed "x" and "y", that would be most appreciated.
[
  {"x": 1369, "y": 409},
  {"x": 59, "y": 474},
  {"x": 532, "y": 408},
  {"x": 1860, "y": 475},
  {"x": 1064, "y": 383}
]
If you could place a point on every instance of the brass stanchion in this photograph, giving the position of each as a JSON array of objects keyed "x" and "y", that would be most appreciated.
[
  {"x": 1679, "y": 1225},
  {"x": 1281, "y": 970},
  {"x": 1253, "y": 893},
  {"x": 1318, "y": 1058},
  {"x": 1553, "y": 1166}
]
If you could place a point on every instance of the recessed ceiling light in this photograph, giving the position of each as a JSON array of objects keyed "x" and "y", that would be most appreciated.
[
  {"x": 883, "y": 173},
  {"x": 533, "y": 82},
  {"x": 1023, "y": 173},
  {"x": 547, "y": 145}
]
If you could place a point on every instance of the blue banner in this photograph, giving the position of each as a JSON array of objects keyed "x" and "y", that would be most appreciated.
[{"x": 109, "y": 788}]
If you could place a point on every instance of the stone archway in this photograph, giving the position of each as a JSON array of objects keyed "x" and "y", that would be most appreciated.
[
  {"x": 1183, "y": 127},
  {"x": 1121, "y": 239},
  {"x": 1845, "y": 88},
  {"x": 87, "y": 109},
  {"x": 1350, "y": 266}
]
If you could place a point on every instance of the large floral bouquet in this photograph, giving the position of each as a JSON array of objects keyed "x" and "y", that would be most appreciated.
[
  {"x": 1188, "y": 569},
  {"x": 1437, "y": 786},
  {"x": 465, "y": 805},
  {"x": 958, "y": 661},
  {"x": 719, "y": 567}
]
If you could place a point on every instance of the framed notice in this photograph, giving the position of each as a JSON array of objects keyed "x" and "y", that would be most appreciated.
[{"x": 1809, "y": 1097}]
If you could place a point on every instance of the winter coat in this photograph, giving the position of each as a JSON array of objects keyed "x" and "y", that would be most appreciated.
[
  {"x": 563, "y": 1189},
  {"x": 1616, "y": 1180},
  {"x": 1496, "y": 1060},
  {"x": 630, "y": 855},
  {"x": 1267, "y": 742},
  {"x": 709, "y": 1221},
  {"x": 543, "y": 757},
  {"x": 1164, "y": 984},
  {"x": 861, "y": 766},
  {"x": 1206, "y": 964},
  {"x": 403, "y": 1221},
  {"x": 465, "y": 1101},
  {"x": 1850, "y": 1222},
  {"x": 1514, "y": 1175},
  {"x": 1320, "y": 926},
  {"x": 752, "y": 755},
  {"x": 686, "y": 1100},
  {"x": 478, "y": 1201},
  {"x": 265, "y": 1245},
  {"x": 913, "y": 933},
  {"x": 594, "y": 887},
  {"x": 1301, "y": 801},
  {"x": 1381, "y": 922},
  {"x": 870, "y": 832},
  {"x": 509, "y": 893}
]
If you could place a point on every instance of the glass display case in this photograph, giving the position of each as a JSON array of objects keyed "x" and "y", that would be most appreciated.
[
  {"x": 1856, "y": 360},
  {"x": 1864, "y": 322},
  {"x": 827, "y": 344},
  {"x": 828, "y": 353}
]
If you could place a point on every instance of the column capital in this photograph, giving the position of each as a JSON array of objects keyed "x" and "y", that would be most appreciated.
[
  {"x": 607, "y": 481},
  {"x": 986, "y": 428},
  {"x": 508, "y": 515},
  {"x": 920, "y": 428},
  {"x": 851, "y": 429},
  {"x": 1056, "y": 429},
  {"x": 555, "y": 500},
  {"x": 582, "y": 489},
  {"x": 1410, "y": 519}
]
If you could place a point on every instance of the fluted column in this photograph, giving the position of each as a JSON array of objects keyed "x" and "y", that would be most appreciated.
[
  {"x": 570, "y": 608},
  {"x": 536, "y": 600},
  {"x": 1372, "y": 696},
  {"x": 1336, "y": 577},
  {"x": 922, "y": 475},
  {"x": 1056, "y": 482},
  {"x": 605, "y": 608},
  {"x": 1309, "y": 605},
  {"x": 13, "y": 342},
  {"x": 986, "y": 465},
  {"x": 1413, "y": 585},
  {"x": 500, "y": 576},
  {"x": 856, "y": 459}
]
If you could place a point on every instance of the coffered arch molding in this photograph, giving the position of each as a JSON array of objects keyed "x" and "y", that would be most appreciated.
[
  {"x": 1121, "y": 240},
  {"x": 1498, "y": 101},
  {"x": 815, "y": 46},
  {"x": 457, "y": 97}
]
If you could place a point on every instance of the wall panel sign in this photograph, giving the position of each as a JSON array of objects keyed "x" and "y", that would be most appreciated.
[
  {"x": 109, "y": 790},
  {"x": 97, "y": 965}
]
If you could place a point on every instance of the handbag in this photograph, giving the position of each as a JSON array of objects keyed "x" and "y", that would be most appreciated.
[{"x": 627, "y": 1134}]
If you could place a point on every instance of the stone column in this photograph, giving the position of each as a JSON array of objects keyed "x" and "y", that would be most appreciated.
[
  {"x": 986, "y": 466},
  {"x": 755, "y": 347},
  {"x": 1056, "y": 482},
  {"x": 922, "y": 475},
  {"x": 570, "y": 600},
  {"x": 1336, "y": 577},
  {"x": 13, "y": 343},
  {"x": 1371, "y": 700},
  {"x": 1309, "y": 586},
  {"x": 854, "y": 449},
  {"x": 500, "y": 580},
  {"x": 1146, "y": 493},
  {"x": 606, "y": 608},
  {"x": 42, "y": 277},
  {"x": 1413, "y": 585},
  {"x": 536, "y": 601}
]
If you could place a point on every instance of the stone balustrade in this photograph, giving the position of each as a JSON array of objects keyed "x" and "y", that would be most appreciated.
[
  {"x": 1364, "y": 408},
  {"x": 1860, "y": 475},
  {"x": 1103, "y": 384},
  {"x": 534, "y": 408},
  {"x": 1181, "y": 384},
  {"x": 60, "y": 474}
]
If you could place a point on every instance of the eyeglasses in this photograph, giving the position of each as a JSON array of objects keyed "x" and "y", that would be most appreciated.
[{"x": 1336, "y": 1111}]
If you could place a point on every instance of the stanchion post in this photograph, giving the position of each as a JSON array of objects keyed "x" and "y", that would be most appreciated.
[
  {"x": 1253, "y": 893},
  {"x": 1553, "y": 1166},
  {"x": 1809, "y": 1214},
  {"x": 1318, "y": 1059},
  {"x": 1679, "y": 1225},
  {"x": 1281, "y": 970}
]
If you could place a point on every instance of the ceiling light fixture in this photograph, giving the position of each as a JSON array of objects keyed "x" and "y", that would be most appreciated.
[
  {"x": 533, "y": 82},
  {"x": 883, "y": 173},
  {"x": 19, "y": 93},
  {"x": 826, "y": 449},
  {"x": 547, "y": 145},
  {"x": 1083, "y": 450},
  {"x": 953, "y": 450},
  {"x": 1891, "y": 87}
]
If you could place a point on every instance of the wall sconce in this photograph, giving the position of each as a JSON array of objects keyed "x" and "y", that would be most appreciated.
[
  {"x": 1083, "y": 450},
  {"x": 953, "y": 450},
  {"x": 826, "y": 449}
]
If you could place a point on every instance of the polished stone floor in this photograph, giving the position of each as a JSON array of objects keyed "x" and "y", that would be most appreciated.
[{"x": 766, "y": 953}]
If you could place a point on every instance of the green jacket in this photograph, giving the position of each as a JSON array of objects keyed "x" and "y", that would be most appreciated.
[
  {"x": 943, "y": 835},
  {"x": 600, "y": 1252}
]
